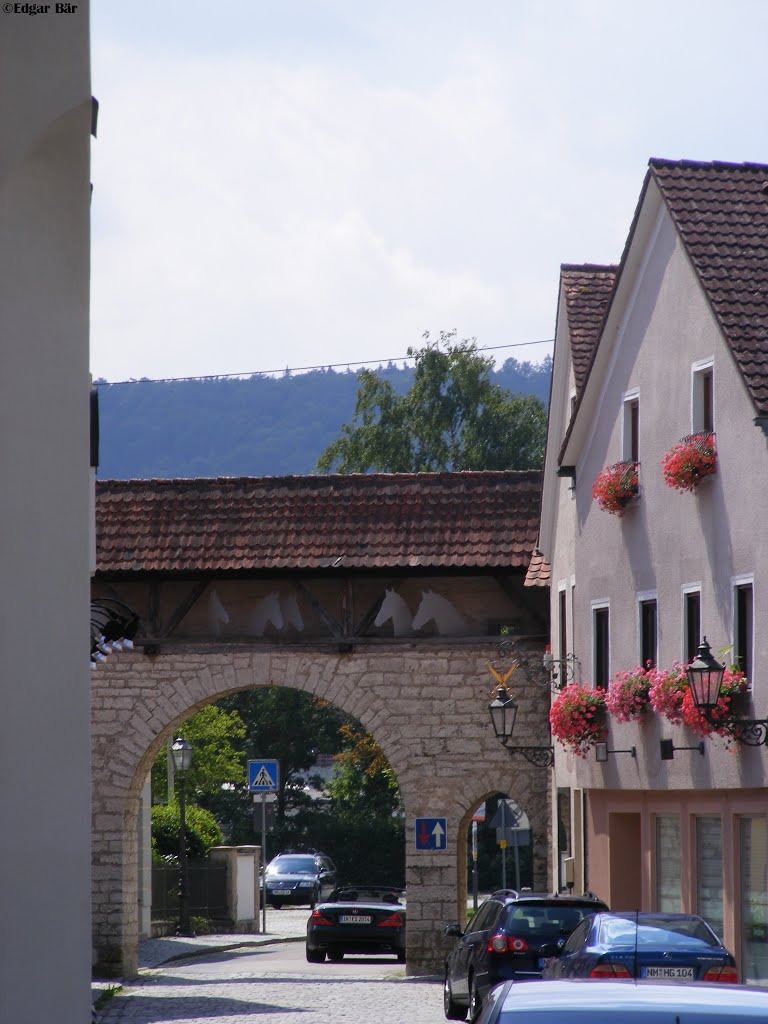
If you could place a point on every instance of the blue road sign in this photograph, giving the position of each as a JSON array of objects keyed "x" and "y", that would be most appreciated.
[
  {"x": 431, "y": 833},
  {"x": 263, "y": 776}
]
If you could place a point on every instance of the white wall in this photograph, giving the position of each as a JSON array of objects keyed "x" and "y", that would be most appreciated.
[{"x": 44, "y": 502}]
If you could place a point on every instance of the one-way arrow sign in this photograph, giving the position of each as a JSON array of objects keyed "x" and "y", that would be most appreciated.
[
  {"x": 431, "y": 833},
  {"x": 263, "y": 776}
]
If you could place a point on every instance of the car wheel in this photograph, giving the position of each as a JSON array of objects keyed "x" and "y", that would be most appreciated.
[
  {"x": 277, "y": 904},
  {"x": 335, "y": 955},
  {"x": 451, "y": 1009},
  {"x": 315, "y": 956},
  {"x": 475, "y": 1001},
  {"x": 401, "y": 956}
]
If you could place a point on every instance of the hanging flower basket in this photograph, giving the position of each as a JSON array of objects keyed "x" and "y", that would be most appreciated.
[
  {"x": 615, "y": 487},
  {"x": 733, "y": 686},
  {"x": 628, "y": 694},
  {"x": 691, "y": 459},
  {"x": 577, "y": 718},
  {"x": 667, "y": 690}
]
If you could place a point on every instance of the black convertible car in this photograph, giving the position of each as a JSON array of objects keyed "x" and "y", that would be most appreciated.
[{"x": 357, "y": 919}]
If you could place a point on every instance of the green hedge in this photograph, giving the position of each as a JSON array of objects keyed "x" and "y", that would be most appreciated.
[{"x": 201, "y": 830}]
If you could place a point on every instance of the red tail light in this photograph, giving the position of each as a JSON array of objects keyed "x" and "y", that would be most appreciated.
[
  {"x": 393, "y": 921},
  {"x": 506, "y": 944},
  {"x": 727, "y": 974},
  {"x": 610, "y": 971},
  {"x": 318, "y": 918}
]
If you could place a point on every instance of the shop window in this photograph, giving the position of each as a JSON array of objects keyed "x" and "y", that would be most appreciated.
[
  {"x": 691, "y": 624},
  {"x": 564, "y": 833},
  {"x": 668, "y": 885},
  {"x": 709, "y": 872},
  {"x": 753, "y": 876},
  {"x": 601, "y": 646},
  {"x": 742, "y": 628}
]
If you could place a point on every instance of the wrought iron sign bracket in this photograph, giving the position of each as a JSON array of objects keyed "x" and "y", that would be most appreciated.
[{"x": 539, "y": 757}]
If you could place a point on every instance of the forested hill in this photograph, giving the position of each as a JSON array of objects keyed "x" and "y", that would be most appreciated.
[{"x": 258, "y": 426}]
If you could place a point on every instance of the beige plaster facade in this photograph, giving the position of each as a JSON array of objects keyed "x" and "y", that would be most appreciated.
[{"x": 658, "y": 333}]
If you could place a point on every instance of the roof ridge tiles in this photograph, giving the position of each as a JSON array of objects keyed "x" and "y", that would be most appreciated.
[{"x": 658, "y": 161}]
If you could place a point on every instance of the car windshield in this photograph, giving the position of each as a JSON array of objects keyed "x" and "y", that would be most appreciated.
[
  {"x": 664, "y": 933},
  {"x": 292, "y": 866},
  {"x": 554, "y": 921}
]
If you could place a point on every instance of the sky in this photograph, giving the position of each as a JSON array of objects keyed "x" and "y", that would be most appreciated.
[{"x": 317, "y": 182}]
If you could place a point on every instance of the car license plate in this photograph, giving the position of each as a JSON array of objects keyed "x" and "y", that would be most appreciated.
[
  {"x": 281, "y": 892},
  {"x": 671, "y": 973},
  {"x": 354, "y": 919}
]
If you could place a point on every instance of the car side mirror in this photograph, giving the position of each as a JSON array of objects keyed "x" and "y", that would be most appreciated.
[
  {"x": 454, "y": 931},
  {"x": 551, "y": 949}
]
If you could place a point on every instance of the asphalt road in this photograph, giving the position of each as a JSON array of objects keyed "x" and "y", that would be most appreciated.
[{"x": 276, "y": 985}]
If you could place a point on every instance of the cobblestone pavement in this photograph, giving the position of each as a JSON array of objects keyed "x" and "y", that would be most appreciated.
[{"x": 271, "y": 983}]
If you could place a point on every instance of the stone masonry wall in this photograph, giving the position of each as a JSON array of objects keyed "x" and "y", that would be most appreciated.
[{"x": 425, "y": 705}]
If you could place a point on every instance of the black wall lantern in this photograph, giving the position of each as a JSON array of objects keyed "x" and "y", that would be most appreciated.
[
  {"x": 503, "y": 712},
  {"x": 705, "y": 677}
]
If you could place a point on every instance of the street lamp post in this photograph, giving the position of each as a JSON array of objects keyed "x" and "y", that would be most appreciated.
[{"x": 181, "y": 751}]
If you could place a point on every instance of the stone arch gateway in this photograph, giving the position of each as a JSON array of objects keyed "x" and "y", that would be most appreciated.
[{"x": 423, "y": 695}]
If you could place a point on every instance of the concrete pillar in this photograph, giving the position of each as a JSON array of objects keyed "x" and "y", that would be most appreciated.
[{"x": 243, "y": 864}]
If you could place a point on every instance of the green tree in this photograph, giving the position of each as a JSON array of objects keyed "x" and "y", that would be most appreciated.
[
  {"x": 201, "y": 830},
  {"x": 364, "y": 785},
  {"x": 452, "y": 418},
  {"x": 218, "y": 737}
]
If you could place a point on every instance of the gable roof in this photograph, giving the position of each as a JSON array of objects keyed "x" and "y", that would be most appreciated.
[
  {"x": 587, "y": 288},
  {"x": 721, "y": 213},
  {"x": 357, "y": 521}
]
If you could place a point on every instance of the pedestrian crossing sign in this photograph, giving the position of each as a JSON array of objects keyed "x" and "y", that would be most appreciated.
[{"x": 263, "y": 776}]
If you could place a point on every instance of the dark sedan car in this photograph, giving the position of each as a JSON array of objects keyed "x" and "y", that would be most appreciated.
[
  {"x": 663, "y": 947},
  {"x": 357, "y": 919},
  {"x": 298, "y": 878},
  {"x": 623, "y": 1002},
  {"x": 503, "y": 940}
]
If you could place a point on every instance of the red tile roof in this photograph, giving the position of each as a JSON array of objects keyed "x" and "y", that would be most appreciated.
[
  {"x": 721, "y": 212},
  {"x": 539, "y": 573},
  {"x": 587, "y": 288},
  {"x": 361, "y": 521}
]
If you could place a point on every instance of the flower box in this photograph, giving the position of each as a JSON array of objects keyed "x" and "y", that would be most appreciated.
[
  {"x": 628, "y": 694},
  {"x": 616, "y": 486},
  {"x": 577, "y": 718},
  {"x": 690, "y": 461},
  {"x": 667, "y": 690}
]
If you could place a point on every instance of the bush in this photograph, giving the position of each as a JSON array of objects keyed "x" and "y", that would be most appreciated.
[{"x": 201, "y": 829}]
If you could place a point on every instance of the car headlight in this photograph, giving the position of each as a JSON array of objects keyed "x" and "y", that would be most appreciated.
[{"x": 306, "y": 885}]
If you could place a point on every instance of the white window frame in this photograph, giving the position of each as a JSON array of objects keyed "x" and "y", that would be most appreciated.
[
  {"x": 745, "y": 580},
  {"x": 562, "y": 589},
  {"x": 594, "y": 606},
  {"x": 697, "y": 369},
  {"x": 640, "y": 596},
  {"x": 627, "y": 400},
  {"x": 687, "y": 588}
]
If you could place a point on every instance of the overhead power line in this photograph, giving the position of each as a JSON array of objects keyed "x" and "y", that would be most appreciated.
[{"x": 301, "y": 369}]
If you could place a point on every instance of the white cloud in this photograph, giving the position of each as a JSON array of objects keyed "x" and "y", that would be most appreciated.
[{"x": 324, "y": 184}]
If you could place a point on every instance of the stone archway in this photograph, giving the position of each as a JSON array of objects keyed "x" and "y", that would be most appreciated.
[{"x": 424, "y": 704}]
